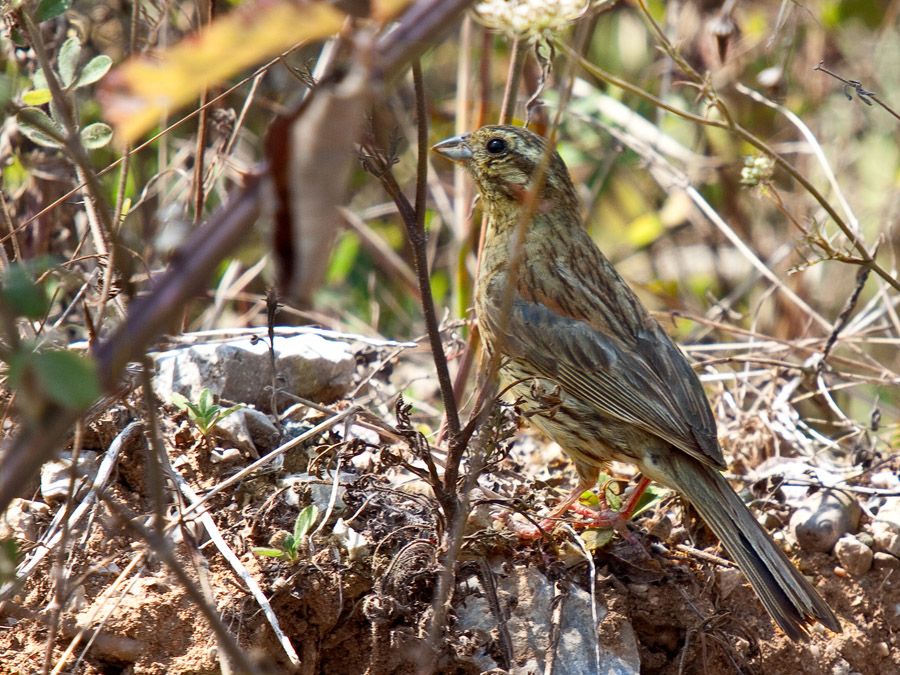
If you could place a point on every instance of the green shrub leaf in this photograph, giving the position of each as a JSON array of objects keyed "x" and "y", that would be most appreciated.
[
  {"x": 49, "y": 9},
  {"x": 67, "y": 378},
  {"x": 69, "y": 55},
  {"x": 34, "y": 122},
  {"x": 22, "y": 295},
  {"x": 305, "y": 520},
  {"x": 96, "y": 68},
  {"x": 96, "y": 135}
]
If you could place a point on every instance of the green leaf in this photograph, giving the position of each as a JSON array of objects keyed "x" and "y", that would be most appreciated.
[
  {"x": 22, "y": 295},
  {"x": 6, "y": 90},
  {"x": 203, "y": 404},
  {"x": 613, "y": 499},
  {"x": 343, "y": 258},
  {"x": 594, "y": 539},
  {"x": 651, "y": 495},
  {"x": 305, "y": 520},
  {"x": 34, "y": 123},
  {"x": 268, "y": 552},
  {"x": 179, "y": 401},
  {"x": 96, "y": 135},
  {"x": 69, "y": 55},
  {"x": 49, "y": 9},
  {"x": 39, "y": 80},
  {"x": 9, "y": 560},
  {"x": 67, "y": 378},
  {"x": 645, "y": 229},
  {"x": 96, "y": 68},
  {"x": 36, "y": 97}
]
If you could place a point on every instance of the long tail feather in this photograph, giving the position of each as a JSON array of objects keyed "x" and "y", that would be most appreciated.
[{"x": 785, "y": 593}]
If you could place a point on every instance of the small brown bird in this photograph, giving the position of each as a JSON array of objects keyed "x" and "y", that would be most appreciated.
[{"x": 589, "y": 365}]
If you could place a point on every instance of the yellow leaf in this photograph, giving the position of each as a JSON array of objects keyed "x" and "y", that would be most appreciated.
[
  {"x": 595, "y": 539},
  {"x": 143, "y": 89},
  {"x": 385, "y": 10},
  {"x": 644, "y": 229}
]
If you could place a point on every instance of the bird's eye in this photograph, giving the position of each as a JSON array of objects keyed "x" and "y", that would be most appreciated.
[{"x": 496, "y": 146}]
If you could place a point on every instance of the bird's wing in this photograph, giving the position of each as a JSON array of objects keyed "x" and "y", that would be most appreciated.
[{"x": 649, "y": 384}]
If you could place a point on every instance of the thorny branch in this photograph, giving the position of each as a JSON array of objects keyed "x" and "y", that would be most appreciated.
[{"x": 862, "y": 93}]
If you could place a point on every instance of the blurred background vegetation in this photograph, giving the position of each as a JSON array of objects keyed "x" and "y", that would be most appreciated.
[{"x": 751, "y": 334}]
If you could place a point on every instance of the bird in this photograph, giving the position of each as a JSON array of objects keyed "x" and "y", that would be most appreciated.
[{"x": 591, "y": 368}]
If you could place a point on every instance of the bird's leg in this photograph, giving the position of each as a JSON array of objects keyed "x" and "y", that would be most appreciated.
[
  {"x": 605, "y": 518},
  {"x": 570, "y": 502}
]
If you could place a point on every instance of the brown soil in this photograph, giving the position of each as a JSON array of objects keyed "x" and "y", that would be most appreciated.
[{"x": 371, "y": 614}]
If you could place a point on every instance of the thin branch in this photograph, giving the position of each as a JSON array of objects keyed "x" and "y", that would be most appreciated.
[{"x": 861, "y": 93}]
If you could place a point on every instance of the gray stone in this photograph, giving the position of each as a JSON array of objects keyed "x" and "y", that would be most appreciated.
[
  {"x": 57, "y": 474},
  {"x": 319, "y": 489},
  {"x": 854, "y": 556},
  {"x": 887, "y": 537},
  {"x": 225, "y": 455},
  {"x": 728, "y": 578},
  {"x": 249, "y": 430},
  {"x": 823, "y": 518},
  {"x": 885, "y": 561},
  {"x": 529, "y": 598},
  {"x": 240, "y": 370},
  {"x": 886, "y": 528},
  {"x": 20, "y": 520}
]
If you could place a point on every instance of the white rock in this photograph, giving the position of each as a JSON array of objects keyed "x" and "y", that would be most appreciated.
[
  {"x": 320, "y": 489},
  {"x": 250, "y": 430},
  {"x": 529, "y": 598},
  {"x": 823, "y": 518},
  {"x": 57, "y": 474},
  {"x": 887, "y": 537},
  {"x": 885, "y": 480},
  {"x": 225, "y": 455},
  {"x": 240, "y": 370},
  {"x": 886, "y": 528},
  {"x": 20, "y": 520},
  {"x": 854, "y": 556}
]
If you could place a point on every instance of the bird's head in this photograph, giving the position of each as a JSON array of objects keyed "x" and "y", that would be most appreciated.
[{"x": 506, "y": 161}]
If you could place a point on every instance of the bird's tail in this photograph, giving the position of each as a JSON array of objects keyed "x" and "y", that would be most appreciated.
[{"x": 785, "y": 593}]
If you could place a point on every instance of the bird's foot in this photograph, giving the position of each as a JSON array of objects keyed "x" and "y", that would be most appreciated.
[{"x": 605, "y": 518}]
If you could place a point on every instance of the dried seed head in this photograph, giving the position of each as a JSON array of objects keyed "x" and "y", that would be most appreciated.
[{"x": 529, "y": 18}]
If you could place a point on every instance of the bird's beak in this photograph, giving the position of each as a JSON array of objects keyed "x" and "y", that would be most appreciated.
[{"x": 456, "y": 148}]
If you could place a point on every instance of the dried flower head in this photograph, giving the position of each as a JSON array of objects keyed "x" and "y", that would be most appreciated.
[
  {"x": 529, "y": 18},
  {"x": 758, "y": 169}
]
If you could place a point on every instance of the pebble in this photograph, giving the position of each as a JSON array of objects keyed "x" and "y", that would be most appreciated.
[
  {"x": 866, "y": 538},
  {"x": 769, "y": 521},
  {"x": 57, "y": 474},
  {"x": 885, "y": 561},
  {"x": 823, "y": 518},
  {"x": 224, "y": 455},
  {"x": 20, "y": 520},
  {"x": 854, "y": 556},
  {"x": 662, "y": 528},
  {"x": 728, "y": 578},
  {"x": 886, "y": 528}
]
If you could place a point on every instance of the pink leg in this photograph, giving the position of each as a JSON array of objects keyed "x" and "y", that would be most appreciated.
[{"x": 604, "y": 519}]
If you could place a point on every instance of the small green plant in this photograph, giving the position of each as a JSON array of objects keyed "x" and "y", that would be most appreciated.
[
  {"x": 286, "y": 545},
  {"x": 47, "y": 130},
  {"x": 10, "y": 556},
  {"x": 205, "y": 413},
  {"x": 597, "y": 538},
  {"x": 39, "y": 374}
]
